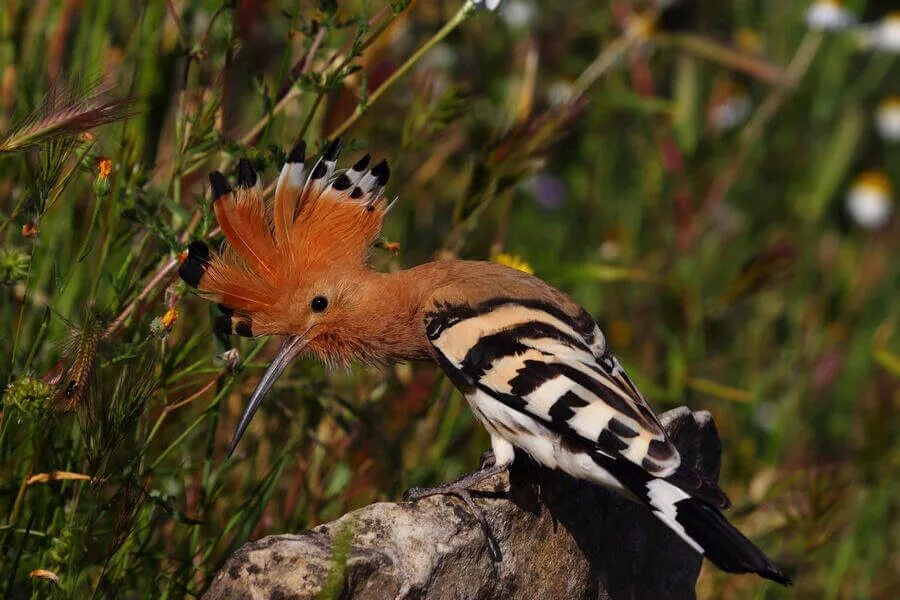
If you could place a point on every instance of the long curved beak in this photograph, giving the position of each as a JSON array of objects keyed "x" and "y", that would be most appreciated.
[{"x": 289, "y": 350}]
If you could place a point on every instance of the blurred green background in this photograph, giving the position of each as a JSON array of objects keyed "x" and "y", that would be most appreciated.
[{"x": 711, "y": 180}]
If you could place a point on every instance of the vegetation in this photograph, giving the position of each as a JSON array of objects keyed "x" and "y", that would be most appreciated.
[{"x": 683, "y": 175}]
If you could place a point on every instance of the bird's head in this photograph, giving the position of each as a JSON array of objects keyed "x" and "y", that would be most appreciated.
[{"x": 292, "y": 267}]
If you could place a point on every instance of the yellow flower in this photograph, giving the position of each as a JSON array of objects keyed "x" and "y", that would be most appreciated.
[
  {"x": 513, "y": 261},
  {"x": 748, "y": 40},
  {"x": 640, "y": 27},
  {"x": 104, "y": 168},
  {"x": 168, "y": 319}
]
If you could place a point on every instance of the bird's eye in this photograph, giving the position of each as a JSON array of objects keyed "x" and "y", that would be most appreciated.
[{"x": 319, "y": 303}]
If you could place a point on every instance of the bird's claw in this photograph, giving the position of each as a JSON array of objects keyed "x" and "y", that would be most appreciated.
[
  {"x": 417, "y": 493},
  {"x": 460, "y": 489}
]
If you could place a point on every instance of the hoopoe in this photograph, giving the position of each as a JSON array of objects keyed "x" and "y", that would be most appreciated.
[{"x": 532, "y": 363}]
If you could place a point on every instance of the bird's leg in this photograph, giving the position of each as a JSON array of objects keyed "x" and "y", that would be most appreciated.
[
  {"x": 488, "y": 459},
  {"x": 460, "y": 488}
]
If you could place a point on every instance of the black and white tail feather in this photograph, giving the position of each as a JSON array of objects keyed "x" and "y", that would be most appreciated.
[
  {"x": 543, "y": 380},
  {"x": 698, "y": 523}
]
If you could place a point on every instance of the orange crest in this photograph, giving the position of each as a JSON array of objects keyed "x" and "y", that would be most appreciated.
[{"x": 327, "y": 219}]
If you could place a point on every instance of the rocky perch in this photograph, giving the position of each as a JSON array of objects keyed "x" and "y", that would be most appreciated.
[{"x": 560, "y": 539}]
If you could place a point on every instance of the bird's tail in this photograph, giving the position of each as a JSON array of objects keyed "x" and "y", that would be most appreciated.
[
  {"x": 721, "y": 542},
  {"x": 696, "y": 521}
]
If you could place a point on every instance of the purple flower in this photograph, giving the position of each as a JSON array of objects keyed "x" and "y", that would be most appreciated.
[{"x": 549, "y": 191}]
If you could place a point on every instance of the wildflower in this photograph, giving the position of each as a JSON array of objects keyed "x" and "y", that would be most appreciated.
[
  {"x": 161, "y": 326},
  {"x": 392, "y": 247},
  {"x": 231, "y": 358},
  {"x": 13, "y": 265},
  {"x": 549, "y": 191},
  {"x": 104, "y": 168},
  {"x": 486, "y": 4},
  {"x": 828, "y": 15},
  {"x": 519, "y": 14},
  {"x": 869, "y": 200},
  {"x": 29, "y": 396},
  {"x": 45, "y": 575},
  {"x": 885, "y": 35},
  {"x": 749, "y": 41},
  {"x": 729, "y": 105},
  {"x": 101, "y": 183},
  {"x": 29, "y": 230},
  {"x": 887, "y": 119},
  {"x": 560, "y": 92},
  {"x": 640, "y": 27},
  {"x": 168, "y": 319},
  {"x": 513, "y": 261}
]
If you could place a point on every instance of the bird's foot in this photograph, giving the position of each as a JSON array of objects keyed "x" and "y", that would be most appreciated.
[{"x": 460, "y": 489}]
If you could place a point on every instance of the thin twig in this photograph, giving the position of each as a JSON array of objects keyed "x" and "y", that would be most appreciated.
[
  {"x": 170, "y": 7},
  {"x": 726, "y": 56},
  {"x": 463, "y": 13}
]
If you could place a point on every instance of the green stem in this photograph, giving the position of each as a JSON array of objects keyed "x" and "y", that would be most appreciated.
[
  {"x": 15, "y": 213},
  {"x": 464, "y": 12},
  {"x": 89, "y": 237},
  {"x": 23, "y": 487}
]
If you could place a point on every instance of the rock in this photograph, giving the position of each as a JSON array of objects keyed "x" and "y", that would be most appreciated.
[{"x": 560, "y": 539}]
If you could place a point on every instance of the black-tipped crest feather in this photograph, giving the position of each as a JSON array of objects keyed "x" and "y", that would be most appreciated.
[
  {"x": 219, "y": 185},
  {"x": 297, "y": 153},
  {"x": 246, "y": 175}
]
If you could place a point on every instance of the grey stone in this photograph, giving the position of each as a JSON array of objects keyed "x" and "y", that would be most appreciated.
[{"x": 560, "y": 539}]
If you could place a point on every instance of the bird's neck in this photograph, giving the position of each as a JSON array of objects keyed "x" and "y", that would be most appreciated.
[{"x": 389, "y": 326}]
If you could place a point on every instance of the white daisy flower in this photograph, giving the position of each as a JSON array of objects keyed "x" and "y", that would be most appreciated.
[
  {"x": 731, "y": 113},
  {"x": 519, "y": 14},
  {"x": 560, "y": 92},
  {"x": 870, "y": 201},
  {"x": 828, "y": 15},
  {"x": 729, "y": 105},
  {"x": 885, "y": 35},
  {"x": 887, "y": 119},
  {"x": 486, "y": 4}
]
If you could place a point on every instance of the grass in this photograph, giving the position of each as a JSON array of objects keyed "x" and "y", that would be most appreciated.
[{"x": 720, "y": 261}]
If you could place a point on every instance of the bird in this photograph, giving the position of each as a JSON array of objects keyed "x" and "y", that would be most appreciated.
[{"x": 534, "y": 366}]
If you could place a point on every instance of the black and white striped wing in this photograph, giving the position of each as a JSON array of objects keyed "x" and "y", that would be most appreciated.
[{"x": 537, "y": 360}]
